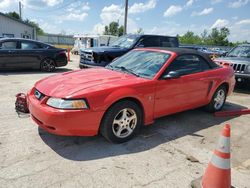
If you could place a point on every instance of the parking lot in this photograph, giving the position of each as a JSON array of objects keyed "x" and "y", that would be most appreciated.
[{"x": 157, "y": 157}]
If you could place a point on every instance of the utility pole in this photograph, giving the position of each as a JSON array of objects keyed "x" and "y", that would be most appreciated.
[
  {"x": 125, "y": 17},
  {"x": 20, "y": 10}
]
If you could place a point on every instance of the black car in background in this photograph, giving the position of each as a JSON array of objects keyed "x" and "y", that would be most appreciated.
[
  {"x": 29, "y": 54},
  {"x": 239, "y": 59},
  {"x": 101, "y": 56}
]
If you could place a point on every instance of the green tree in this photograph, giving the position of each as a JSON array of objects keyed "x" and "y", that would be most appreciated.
[
  {"x": 219, "y": 37},
  {"x": 13, "y": 15},
  {"x": 113, "y": 29},
  {"x": 39, "y": 30},
  {"x": 121, "y": 30},
  {"x": 190, "y": 38}
]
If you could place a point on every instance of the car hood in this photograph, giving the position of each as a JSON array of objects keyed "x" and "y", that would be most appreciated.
[
  {"x": 234, "y": 60},
  {"x": 80, "y": 82},
  {"x": 105, "y": 49}
]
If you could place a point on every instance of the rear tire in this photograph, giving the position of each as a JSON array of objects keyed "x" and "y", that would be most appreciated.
[
  {"x": 218, "y": 100},
  {"x": 121, "y": 122},
  {"x": 48, "y": 65}
]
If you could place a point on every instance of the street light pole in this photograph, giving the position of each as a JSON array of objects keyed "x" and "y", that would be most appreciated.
[{"x": 125, "y": 17}]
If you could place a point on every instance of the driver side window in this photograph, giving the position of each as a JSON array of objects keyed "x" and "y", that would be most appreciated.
[{"x": 187, "y": 64}]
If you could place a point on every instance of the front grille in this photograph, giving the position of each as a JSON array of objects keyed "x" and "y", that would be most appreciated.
[
  {"x": 240, "y": 68},
  {"x": 38, "y": 95},
  {"x": 87, "y": 56}
]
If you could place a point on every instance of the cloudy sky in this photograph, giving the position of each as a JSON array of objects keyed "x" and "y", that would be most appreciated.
[{"x": 153, "y": 16}]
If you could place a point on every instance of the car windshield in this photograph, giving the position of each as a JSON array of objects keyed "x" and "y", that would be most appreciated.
[
  {"x": 125, "y": 41},
  {"x": 140, "y": 63},
  {"x": 240, "y": 51}
]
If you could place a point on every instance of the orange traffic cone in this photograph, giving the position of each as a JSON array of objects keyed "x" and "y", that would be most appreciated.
[{"x": 218, "y": 172}]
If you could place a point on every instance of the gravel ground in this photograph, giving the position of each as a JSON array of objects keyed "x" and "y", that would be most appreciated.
[{"x": 157, "y": 157}]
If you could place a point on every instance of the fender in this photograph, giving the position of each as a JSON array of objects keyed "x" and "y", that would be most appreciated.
[{"x": 123, "y": 93}]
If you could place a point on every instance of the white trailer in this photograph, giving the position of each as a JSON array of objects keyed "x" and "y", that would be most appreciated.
[{"x": 88, "y": 41}]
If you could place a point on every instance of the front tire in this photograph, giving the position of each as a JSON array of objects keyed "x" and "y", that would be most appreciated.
[
  {"x": 121, "y": 122},
  {"x": 218, "y": 100},
  {"x": 48, "y": 65}
]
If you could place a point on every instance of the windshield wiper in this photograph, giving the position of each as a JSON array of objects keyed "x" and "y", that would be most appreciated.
[
  {"x": 127, "y": 70},
  {"x": 110, "y": 67}
]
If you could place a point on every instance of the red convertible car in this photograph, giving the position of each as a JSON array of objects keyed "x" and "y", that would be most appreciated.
[{"x": 132, "y": 91}]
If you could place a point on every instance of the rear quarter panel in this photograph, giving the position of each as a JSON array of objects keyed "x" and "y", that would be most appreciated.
[{"x": 222, "y": 75}]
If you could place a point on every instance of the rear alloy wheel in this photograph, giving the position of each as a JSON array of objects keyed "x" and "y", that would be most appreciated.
[
  {"x": 48, "y": 65},
  {"x": 218, "y": 100},
  {"x": 121, "y": 122}
]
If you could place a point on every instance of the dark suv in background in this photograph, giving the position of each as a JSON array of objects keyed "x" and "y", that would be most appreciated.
[
  {"x": 101, "y": 56},
  {"x": 239, "y": 59}
]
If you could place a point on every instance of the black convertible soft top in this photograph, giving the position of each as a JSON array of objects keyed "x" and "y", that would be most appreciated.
[{"x": 185, "y": 51}]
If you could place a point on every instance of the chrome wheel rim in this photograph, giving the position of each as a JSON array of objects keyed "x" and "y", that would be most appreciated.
[
  {"x": 219, "y": 99},
  {"x": 48, "y": 65},
  {"x": 124, "y": 123}
]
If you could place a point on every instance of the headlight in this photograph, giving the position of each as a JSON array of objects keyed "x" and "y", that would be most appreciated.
[
  {"x": 67, "y": 104},
  {"x": 248, "y": 68}
]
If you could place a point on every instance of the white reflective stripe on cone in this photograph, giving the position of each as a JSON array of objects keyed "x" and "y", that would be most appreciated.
[
  {"x": 224, "y": 144},
  {"x": 220, "y": 162}
]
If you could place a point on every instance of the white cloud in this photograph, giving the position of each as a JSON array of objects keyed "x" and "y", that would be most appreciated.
[
  {"x": 244, "y": 22},
  {"x": 86, "y": 6},
  {"x": 47, "y": 27},
  {"x": 111, "y": 13},
  {"x": 239, "y": 30},
  {"x": 114, "y": 13},
  {"x": 76, "y": 16},
  {"x": 216, "y": 1},
  {"x": 78, "y": 7},
  {"x": 98, "y": 28},
  {"x": 52, "y": 3},
  {"x": 5, "y": 4},
  {"x": 172, "y": 29},
  {"x": 190, "y": 3},
  {"x": 238, "y": 3},
  {"x": 205, "y": 11},
  {"x": 172, "y": 10},
  {"x": 220, "y": 23},
  {"x": 142, "y": 7}
]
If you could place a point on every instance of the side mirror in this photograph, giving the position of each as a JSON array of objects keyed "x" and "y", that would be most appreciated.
[
  {"x": 171, "y": 75},
  {"x": 224, "y": 54},
  {"x": 140, "y": 45}
]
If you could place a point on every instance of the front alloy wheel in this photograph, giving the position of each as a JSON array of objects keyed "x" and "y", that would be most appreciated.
[
  {"x": 121, "y": 122},
  {"x": 124, "y": 123}
]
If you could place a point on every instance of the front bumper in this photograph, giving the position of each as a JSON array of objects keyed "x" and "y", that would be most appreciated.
[
  {"x": 87, "y": 63},
  {"x": 63, "y": 122},
  {"x": 240, "y": 75}
]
